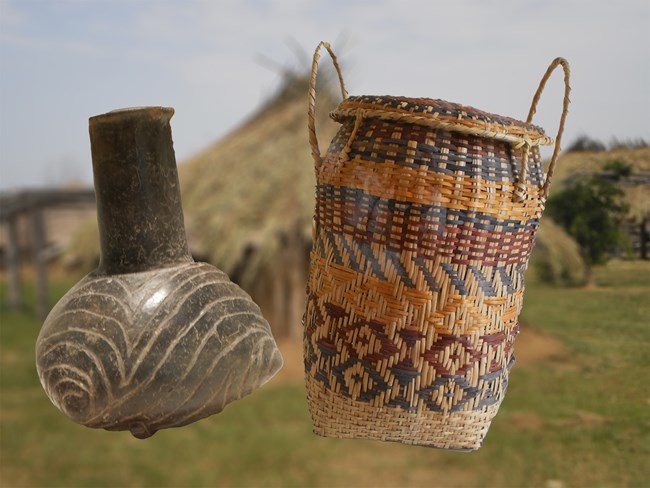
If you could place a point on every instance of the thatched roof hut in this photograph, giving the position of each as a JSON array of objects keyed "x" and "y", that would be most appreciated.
[{"x": 249, "y": 203}]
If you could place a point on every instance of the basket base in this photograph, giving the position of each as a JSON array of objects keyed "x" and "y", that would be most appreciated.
[{"x": 336, "y": 416}]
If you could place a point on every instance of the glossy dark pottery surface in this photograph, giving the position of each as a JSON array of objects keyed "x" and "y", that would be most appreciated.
[{"x": 151, "y": 339}]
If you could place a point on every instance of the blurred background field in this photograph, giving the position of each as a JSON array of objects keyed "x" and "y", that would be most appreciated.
[
  {"x": 576, "y": 414},
  {"x": 577, "y": 410}
]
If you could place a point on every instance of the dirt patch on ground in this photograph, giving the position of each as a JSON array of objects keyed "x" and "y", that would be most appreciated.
[
  {"x": 390, "y": 464},
  {"x": 525, "y": 421},
  {"x": 533, "y": 346},
  {"x": 532, "y": 421},
  {"x": 11, "y": 358},
  {"x": 583, "y": 419}
]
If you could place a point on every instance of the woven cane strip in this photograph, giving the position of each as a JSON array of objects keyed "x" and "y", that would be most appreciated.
[
  {"x": 337, "y": 416},
  {"x": 435, "y": 167},
  {"x": 426, "y": 230},
  {"x": 395, "y": 182},
  {"x": 430, "y": 188},
  {"x": 414, "y": 293},
  {"x": 439, "y": 114},
  {"x": 413, "y": 146}
]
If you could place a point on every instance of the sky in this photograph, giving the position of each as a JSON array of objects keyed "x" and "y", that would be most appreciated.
[{"x": 63, "y": 61}]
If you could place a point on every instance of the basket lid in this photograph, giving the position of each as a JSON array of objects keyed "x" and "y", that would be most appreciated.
[{"x": 440, "y": 114}]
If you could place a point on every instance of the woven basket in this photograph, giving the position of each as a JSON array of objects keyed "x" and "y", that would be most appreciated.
[{"x": 425, "y": 218}]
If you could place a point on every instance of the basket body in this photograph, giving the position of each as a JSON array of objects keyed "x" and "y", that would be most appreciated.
[{"x": 416, "y": 278}]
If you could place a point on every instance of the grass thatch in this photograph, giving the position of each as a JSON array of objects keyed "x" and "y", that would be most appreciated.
[
  {"x": 245, "y": 195},
  {"x": 82, "y": 252},
  {"x": 556, "y": 258}
]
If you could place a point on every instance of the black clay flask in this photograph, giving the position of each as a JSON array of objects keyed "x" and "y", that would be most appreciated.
[{"x": 151, "y": 339}]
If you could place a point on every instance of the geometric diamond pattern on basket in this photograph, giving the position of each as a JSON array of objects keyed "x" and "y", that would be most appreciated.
[{"x": 461, "y": 365}]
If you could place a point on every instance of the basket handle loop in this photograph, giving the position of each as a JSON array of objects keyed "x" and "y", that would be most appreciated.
[
  {"x": 565, "y": 109},
  {"x": 311, "y": 123}
]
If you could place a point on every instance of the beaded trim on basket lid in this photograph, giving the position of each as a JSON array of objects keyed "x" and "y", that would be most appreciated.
[{"x": 439, "y": 114}]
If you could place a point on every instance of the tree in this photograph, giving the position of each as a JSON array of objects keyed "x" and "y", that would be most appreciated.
[
  {"x": 586, "y": 143},
  {"x": 591, "y": 210},
  {"x": 618, "y": 169}
]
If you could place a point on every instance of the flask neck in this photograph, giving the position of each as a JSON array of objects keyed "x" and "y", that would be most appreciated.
[{"x": 139, "y": 208}]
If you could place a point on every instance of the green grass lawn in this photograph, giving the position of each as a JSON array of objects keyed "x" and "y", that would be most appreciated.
[{"x": 578, "y": 418}]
